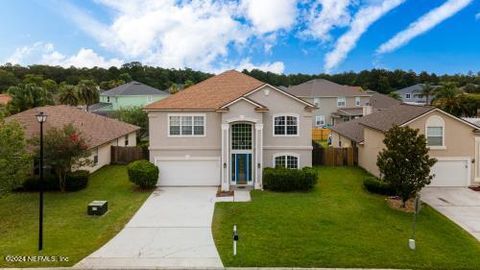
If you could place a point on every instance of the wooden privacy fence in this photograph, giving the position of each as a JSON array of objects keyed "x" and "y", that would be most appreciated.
[
  {"x": 127, "y": 154},
  {"x": 335, "y": 156},
  {"x": 320, "y": 134}
]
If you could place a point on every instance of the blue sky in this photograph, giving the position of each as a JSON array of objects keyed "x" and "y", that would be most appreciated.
[{"x": 290, "y": 36}]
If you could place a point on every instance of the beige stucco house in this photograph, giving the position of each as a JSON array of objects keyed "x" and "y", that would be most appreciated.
[
  {"x": 454, "y": 142},
  {"x": 99, "y": 132},
  {"x": 334, "y": 103},
  {"x": 225, "y": 130}
]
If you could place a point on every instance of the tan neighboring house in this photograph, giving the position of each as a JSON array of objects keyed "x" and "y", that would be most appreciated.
[
  {"x": 335, "y": 103},
  {"x": 225, "y": 130},
  {"x": 452, "y": 140},
  {"x": 99, "y": 132}
]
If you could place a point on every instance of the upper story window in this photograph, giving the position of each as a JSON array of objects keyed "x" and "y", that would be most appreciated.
[
  {"x": 285, "y": 125},
  {"x": 357, "y": 101},
  {"x": 285, "y": 160},
  {"x": 316, "y": 102},
  {"x": 435, "y": 130},
  {"x": 341, "y": 102},
  {"x": 320, "y": 120},
  {"x": 408, "y": 95},
  {"x": 186, "y": 125}
]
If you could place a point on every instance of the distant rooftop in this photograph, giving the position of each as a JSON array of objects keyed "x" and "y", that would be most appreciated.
[
  {"x": 134, "y": 88},
  {"x": 325, "y": 88}
]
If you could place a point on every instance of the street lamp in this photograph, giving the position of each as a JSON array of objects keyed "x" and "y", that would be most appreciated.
[{"x": 41, "y": 118}]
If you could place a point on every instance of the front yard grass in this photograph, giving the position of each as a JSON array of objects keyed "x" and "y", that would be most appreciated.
[
  {"x": 338, "y": 224},
  {"x": 68, "y": 231}
]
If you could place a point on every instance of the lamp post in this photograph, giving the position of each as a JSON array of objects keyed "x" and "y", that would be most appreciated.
[{"x": 41, "y": 118}]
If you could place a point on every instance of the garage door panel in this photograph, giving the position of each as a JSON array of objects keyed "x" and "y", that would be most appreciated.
[
  {"x": 450, "y": 173},
  {"x": 189, "y": 172}
]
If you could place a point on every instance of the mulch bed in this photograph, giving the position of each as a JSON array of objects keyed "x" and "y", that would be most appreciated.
[
  {"x": 396, "y": 203},
  {"x": 476, "y": 188},
  {"x": 224, "y": 193}
]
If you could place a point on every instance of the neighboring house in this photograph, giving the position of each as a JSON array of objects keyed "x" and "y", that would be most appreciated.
[
  {"x": 99, "y": 132},
  {"x": 223, "y": 131},
  {"x": 127, "y": 95},
  {"x": 5, "y": 99},
  {"x": 335, "y": 103},
  {"x": 380, "y": 101},
  {"x": 413, "y": 94},
  {"x": 454, "y": 142}
]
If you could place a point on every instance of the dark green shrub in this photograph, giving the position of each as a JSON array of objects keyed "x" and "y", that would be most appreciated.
[
  {"x": 76, "y": 180},
  {"x": 50, "y": 183},
  {"x": 378, "y": 186},
  {"x": 282, "y": 179},
  {"x": 143, "y": 173}
]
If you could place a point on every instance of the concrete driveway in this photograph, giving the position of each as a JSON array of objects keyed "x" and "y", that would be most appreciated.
[
  {"x": 171, "y": 230},
  {"x": 461, "y": 205}
]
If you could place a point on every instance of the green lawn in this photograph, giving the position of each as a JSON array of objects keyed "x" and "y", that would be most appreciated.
[
  {"x": 68, "y": 231},
  {"x": 338, "y": 224}
]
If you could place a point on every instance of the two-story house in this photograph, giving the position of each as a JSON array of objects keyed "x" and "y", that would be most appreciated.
[
  {"x": 413, "y": 94},
  {"x": 128, "y": 95},
  {"x": 223, "y": 131},
  {"x": 335, "y": 103}
]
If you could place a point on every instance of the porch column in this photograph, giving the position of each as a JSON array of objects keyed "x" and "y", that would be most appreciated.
[
  {"x": 225, "y": 163},
  {"x": 259, "y": 156}
]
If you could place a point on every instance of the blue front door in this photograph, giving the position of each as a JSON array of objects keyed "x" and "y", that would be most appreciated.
[{"x": 241, "y": 168}]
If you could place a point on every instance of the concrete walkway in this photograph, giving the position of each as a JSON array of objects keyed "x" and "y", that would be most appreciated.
[
  {"x": 461, "y": 205},
  {"x": 171, "y": 230}
]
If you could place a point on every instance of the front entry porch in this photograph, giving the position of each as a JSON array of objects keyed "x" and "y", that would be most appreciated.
[{"x": 241, "y": 154}]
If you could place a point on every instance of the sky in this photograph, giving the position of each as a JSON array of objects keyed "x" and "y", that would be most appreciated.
[{"x": 282, "y": 36}]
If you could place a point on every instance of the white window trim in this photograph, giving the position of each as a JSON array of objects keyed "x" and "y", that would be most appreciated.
[
  {"x": 286, "y": 154},
  {"x": 95, "y": 154},
  {"x": 408, "y": 95},
  {"x": 286, "y": 135},
  {"x": 108, "y": 99},
  {"x": 187, "y": 114},
  {"x": 324, "y": 120},
  {"x": 442, "y": 125},
  {"x": 359, "y": 101},
  {"x": 344, "y": 102}
]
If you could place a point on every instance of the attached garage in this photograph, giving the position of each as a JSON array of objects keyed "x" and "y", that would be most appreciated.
[
  {"x": 451, "y": 172},
  {"x": 198, "y": 171}
]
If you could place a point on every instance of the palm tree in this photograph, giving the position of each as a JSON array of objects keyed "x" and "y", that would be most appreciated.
[
  {"x": 173, "y": 88},
  {"x": 87, "y": 92},
  {"x": 68, "y": 95},
  {"x": 427, "y": 92},
  {"x": 27, "y": 96},
  {"x": 447, "y": 90}
]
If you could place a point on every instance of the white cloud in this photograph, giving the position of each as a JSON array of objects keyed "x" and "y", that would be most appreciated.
[
  {"x": 332, "y": 14},
  {"x": 270, "y": 15},
  {"x": 362, "y": 20},
  {"x": 45, "y": 53},
  {"x": 423, "y": 24},
  {"x": 275, "y": 67}
]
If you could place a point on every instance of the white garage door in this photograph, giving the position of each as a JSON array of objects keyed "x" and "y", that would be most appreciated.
[
  {"x": 450, "y": 173},
  {"x": 189, "y": 172}
]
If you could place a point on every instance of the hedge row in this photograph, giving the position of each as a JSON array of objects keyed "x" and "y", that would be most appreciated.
[
  {"x": 378, "y": 186},
  {"x": 74, "y": 181},
  {"x": 283, "y": 179}
]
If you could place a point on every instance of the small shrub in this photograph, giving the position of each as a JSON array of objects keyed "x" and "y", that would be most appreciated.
[
  {"x": 50, "y": 183},
  {"x": 282, "y": 179},
  {"x": 375, "y": 185},
  {"x": 77, "y": 180},
  {"x": 143, "y": 173}
]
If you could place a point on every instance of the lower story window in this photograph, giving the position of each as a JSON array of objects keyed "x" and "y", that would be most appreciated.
[
  {"x": 287, "y": 161},
  {"x": 95, "y": 157}
]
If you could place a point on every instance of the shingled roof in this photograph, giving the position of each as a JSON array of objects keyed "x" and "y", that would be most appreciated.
[
  {"x": 381, "y": 101},
  {"x": 134, "y": 88},
  {"x": 96, "y": 129},
  {"x": 381, "y": 120},
  {"x": 325, "y": 88},
  {"x": 210, "y": 94}
]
